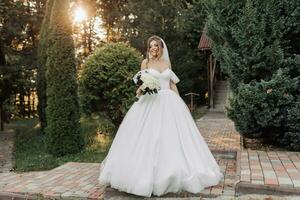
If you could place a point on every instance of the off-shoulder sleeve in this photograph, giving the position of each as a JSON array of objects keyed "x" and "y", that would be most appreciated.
[{"x": 174, "y": 78}]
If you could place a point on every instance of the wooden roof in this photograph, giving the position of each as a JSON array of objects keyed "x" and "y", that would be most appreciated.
[{"x": 205, "y": 42}]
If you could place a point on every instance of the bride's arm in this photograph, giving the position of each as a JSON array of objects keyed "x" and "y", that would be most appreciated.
[
  {"x": 174, "y": 87},
  {"x": 143, "y": 66}
]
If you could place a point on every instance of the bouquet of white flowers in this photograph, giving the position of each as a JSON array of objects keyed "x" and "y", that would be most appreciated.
[{"x": 146, "y": 83}]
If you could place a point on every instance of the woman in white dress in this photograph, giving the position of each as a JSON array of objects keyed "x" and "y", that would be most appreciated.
[{"x": 158, "y": 147}]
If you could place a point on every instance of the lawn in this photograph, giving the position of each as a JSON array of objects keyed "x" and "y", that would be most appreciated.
[{"x": 30, "y": 152}]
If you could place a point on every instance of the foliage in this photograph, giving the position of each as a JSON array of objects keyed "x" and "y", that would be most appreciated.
[
  {"x": 111, "y": 13},
  {"x": 63, "y": 129},
  {"x": 31, "y": 153},
  {"x": 260, "y": 109},
  {"x": 85, "y": 35},
  {"x": 41, "y": 66},
  {"x": 105, "y": 82},
  {"x": 19, "y": 28},
  {"x": 96, "y": 127},
  {"x": 292, "y": 135},
  {"x": 255, "y": 43}
]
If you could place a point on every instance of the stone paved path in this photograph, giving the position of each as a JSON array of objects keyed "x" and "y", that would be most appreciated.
[
  {"x": 6, "y": 149},
  {"x": 72, "y": 180},
  {"x": 80, "y": 180},
  {"x": 269, "y": 172},
  {"x": 219, "y": 132}
]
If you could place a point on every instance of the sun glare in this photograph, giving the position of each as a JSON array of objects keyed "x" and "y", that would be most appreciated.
[{"x": 79, "y": 15}]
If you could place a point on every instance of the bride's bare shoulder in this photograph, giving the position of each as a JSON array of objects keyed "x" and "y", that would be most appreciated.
[
  {"x": 166, "y": 63},
  {"x": 144, "y": 64}
]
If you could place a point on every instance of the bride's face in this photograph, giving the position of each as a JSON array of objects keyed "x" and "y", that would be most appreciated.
[{"x": 154, "y": 49}]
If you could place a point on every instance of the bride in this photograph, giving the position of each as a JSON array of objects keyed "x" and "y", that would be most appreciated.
[{"x": 158, "y": 147}]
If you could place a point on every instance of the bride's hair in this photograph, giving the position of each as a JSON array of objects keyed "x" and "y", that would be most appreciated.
[{"x": 159, "y": 41}]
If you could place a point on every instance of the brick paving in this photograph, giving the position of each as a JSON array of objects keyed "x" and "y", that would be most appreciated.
[
  {"x": 219, "y": 132},
  {"x": 6, "y": 149},
  {"x": 269, "y": 172},
  {"x": 80, "y": 180},
  {"x": 71, "y": 180}
]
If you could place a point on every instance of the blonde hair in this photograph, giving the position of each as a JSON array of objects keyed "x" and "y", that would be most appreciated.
[{"x": 159, "y": 41}]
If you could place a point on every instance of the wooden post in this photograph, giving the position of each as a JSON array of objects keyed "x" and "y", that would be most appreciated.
[
  {"x": 1, "y": 119},
  {"x": 208, "y": 82},
  {"x": 192, "y": 94},
  {"x": 211, "y": 99},
  {"x": 33, "y": 103}
]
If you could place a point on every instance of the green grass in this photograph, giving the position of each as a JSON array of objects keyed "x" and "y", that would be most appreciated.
[{"x": 30, "y": 152}]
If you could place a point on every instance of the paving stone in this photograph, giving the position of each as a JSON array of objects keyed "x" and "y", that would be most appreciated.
[
  {"x": 278, "y": 174},
  {"x": 296, "y": 183},
  {"x": 285, "y": 181},
  {"x": 258, "y": 182},
  {"x": 271, "y": 181}
]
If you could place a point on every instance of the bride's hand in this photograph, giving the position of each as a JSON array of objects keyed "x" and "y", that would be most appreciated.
[{"x": 138, "y": 92}]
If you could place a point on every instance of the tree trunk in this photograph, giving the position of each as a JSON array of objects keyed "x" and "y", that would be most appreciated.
[{"x": 1, "y": 118}]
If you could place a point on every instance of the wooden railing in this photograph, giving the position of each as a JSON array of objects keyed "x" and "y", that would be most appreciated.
[{"x": 192, "y": 106}]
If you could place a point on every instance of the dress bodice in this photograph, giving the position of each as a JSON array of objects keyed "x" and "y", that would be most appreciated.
[{"x": 164, "y": 77}]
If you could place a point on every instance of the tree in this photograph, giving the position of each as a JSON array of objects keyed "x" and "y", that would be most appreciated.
[
  {"x": 5, "y": 87},
  {"x": 63, "y": 128},
  {"x": 41, "y": 66},
  {"x": 84, "y": 32},
  {"x": 19, "y": 27},
  {"x": 112, "y": 13},
  {"x": 255, "y": 42}
]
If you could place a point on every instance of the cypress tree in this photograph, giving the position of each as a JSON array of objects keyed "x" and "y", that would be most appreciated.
[
  {"x": 63, "y": 128},
  {"x": 41, "y": 66}
]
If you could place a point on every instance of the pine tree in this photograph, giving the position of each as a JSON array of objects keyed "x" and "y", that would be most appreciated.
[
  {"x": 256, "y": 43},
  {"x": 41, "y": 66},
  {"x": 63, "y": 128}
]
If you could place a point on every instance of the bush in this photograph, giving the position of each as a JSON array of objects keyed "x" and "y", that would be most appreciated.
[
  {"x": 260, "y": 109},
  {"x": 105, "y": 82},
  {"x": 62, "y": 112},
  {"x": 292, "y": 136}
]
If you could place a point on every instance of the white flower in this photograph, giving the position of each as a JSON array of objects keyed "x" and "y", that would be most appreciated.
[{"x": 149, "y": 82}]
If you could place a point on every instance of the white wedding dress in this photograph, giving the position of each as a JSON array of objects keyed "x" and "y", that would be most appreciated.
[{"x": 158, "y": 147}]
